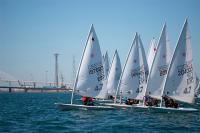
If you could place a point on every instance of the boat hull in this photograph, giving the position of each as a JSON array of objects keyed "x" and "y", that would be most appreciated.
[
  {"x": 68, "y": 107},
  {"x": 103, "y": 101},
  {"x": 172, "y": 110},
  {"x": 99, "y": 100},
  {"x": 125, "y": 106}
]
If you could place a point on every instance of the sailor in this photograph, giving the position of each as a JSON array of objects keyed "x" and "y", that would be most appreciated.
[
  {"x": 154, "y": 102},
  {"x": 84, "y": 100},
  {"x": 135, "y": 101},
  {"x": 146, "y": 100},
  {"x": 128, "y": 102},
  {"x": 87, "y": 100},
  {"x": 170, "y": 102},
  {"x": 90, "y": 101},
  {"x": 173, "y": 104},
  {"x": 110, "y": 97},
  {"x": 132, "y": 101},
  {"x": 176, "y": 105},
  {"x": 167, "y": 102}
]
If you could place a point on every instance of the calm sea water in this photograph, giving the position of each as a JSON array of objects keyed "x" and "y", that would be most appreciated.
[{"x": 35, "y": 112}]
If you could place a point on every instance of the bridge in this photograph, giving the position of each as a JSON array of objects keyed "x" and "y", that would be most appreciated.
[{"x": 31, "y": 86}]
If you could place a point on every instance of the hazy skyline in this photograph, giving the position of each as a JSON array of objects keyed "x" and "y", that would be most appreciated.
[{"x": 31, "y": 31}]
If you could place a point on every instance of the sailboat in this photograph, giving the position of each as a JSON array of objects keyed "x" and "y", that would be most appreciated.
[
  {"x": 106, "y": 65},
  {"x": 181, "y": 81},
  {"x": 151, "y": 53},
  {"x": 133, "y": 79},
  {"x": 113, "y": 78},
  {"x": 90, "y": 75},
  {"x": 102, "y": 96},
  {"x": 160, "y": 65}
]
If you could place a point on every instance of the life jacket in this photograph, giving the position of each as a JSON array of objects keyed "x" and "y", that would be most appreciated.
[
  {"x": 84, "y": 99},
  {"x": 89, "y": 99}
]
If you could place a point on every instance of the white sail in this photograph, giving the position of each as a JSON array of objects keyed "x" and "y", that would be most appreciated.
[
  {"x": 106, "y": 65},
  {"x": 110, "y": 84},
  {"x": 144, "y": 71},
  {"x": 181, "y": 80},
  {"x": 103, "y": 94},
  {"x": 90, "y": 73},
  {"x": 151, "y": 53},
  {"x": 114, "y": 75},
  {"x": 134, "y": 75},
  {"x": 160, "y": 65}
]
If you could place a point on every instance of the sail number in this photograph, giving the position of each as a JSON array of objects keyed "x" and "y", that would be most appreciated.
[
  {"x": 139, "y": 90},
  {"x": 184, "y": 69},
  {"x": 101, "y": 77},
  {"x": 141, "y": 73},
  {"x": 142, "y": 80},
  {"x": 95, "y": 69},
  {"x": 187, "y": 90},
  {"x": 98, "y": 69},
  {"x": 190, "y": 80},
  {"x": 98, "y": 88},
  {"x": 163, "y": 70}
]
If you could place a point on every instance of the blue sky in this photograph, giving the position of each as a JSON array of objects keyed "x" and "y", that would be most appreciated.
[{"x": 31, "y": 31}]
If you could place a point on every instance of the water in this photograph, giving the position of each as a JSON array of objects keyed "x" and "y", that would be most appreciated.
[{"x": 35, "y": 112}]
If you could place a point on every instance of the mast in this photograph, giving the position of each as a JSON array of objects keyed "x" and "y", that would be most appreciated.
[{"x": 56, "y": 68}]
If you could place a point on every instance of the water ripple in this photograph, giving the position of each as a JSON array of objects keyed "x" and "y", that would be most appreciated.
[{"x": 35, "y": 112}]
